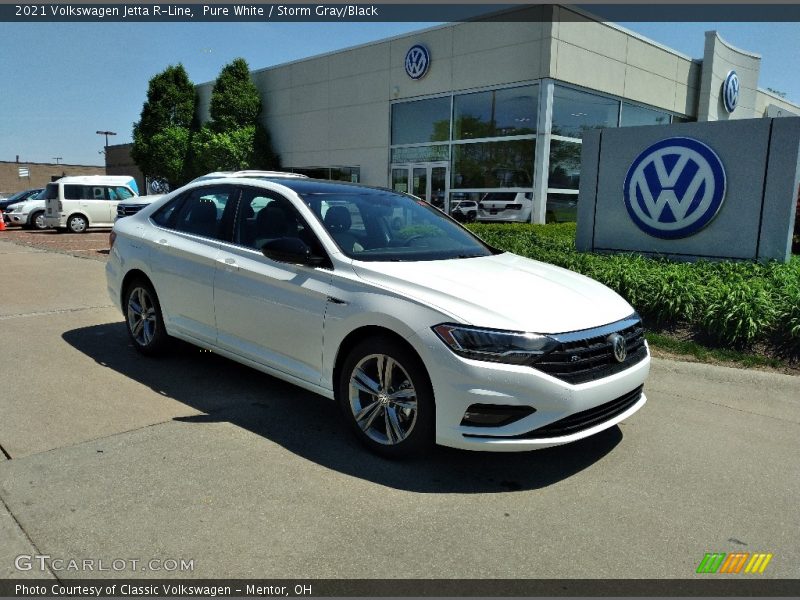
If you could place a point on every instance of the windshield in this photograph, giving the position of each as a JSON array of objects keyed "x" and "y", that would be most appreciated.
[{"x": 377, "y": 225}]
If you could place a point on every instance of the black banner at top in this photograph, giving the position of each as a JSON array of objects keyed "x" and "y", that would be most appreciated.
[{"x": 381, "y": 12}]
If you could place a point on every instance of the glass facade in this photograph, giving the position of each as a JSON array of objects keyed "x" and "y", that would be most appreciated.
[
  {"x": 575, "y": 112},
  {"x": 493, "y": 165},
  {"x": 421, "y": 121},
  {"x": 495, "y": 113},
  {"x": 484, "y": 147}
]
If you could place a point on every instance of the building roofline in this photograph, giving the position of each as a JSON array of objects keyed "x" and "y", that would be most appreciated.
[
  {"x": 28, "y": 163},
  {"x": 399, "y": 36},
  {"x": 777, "y": 97}
]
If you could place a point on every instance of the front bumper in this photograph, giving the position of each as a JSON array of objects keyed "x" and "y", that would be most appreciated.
[
  {"x": 19, "y": 219},
  {"x": 459, "y": 383}
]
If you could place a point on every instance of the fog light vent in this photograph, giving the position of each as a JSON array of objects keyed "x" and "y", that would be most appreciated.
[{"x": 494, "y": 415}]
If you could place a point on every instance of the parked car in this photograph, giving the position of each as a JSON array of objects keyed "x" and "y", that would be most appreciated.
[
  {"x": 129, "y": 207},
  {"x": 419, "y": 330},
  {"x": 464, "y": 211},
  {"x": 506, "y": 206},
  {"x": 81, "y": 202},
  {"x": 18, "y": 197},
  {"x": 28, "y": 214}
]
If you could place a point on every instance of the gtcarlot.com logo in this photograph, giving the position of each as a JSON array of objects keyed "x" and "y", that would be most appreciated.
[
  {"x": 734, "y": 563},
  {"x": 45, "y": 562}
]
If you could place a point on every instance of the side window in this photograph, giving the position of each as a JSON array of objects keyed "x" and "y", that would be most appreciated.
[
  {"x": 202, "y": 212},
  {"x": 73, "y": 192},
  {"x": 164, "y": 215},
  {"x": 265, "y": 216},
  {"x": 98, "y": 192}
]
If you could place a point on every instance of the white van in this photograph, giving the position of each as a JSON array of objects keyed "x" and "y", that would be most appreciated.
[{"x": 80, "y": 202}]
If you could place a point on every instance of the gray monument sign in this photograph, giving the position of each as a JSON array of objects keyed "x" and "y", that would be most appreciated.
[{"x": 714, "y": 190}]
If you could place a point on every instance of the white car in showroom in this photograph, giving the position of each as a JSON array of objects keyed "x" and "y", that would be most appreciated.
[{"x": 419, "y": 330}]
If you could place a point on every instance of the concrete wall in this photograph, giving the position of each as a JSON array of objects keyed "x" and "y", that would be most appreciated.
[
  {"x": 40, "y": 174},
  {"x": 608, "y": 58},
  {"x": 755, "y": 187},
  {"x": 720, "y": 57}
]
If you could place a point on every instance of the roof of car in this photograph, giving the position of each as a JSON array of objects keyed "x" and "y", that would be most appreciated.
[{"x": 324, "y": 186}]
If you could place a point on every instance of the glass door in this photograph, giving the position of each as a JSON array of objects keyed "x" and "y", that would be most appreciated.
[{"x": 428, "y": 181}]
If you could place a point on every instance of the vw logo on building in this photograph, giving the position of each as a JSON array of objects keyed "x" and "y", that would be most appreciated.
[
  {"x": 730, "y": 91},
  {"x": 418, "y": 59},
  {"x": 674, "y": 188}
]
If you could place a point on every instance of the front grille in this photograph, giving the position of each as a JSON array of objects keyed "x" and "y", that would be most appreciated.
[
  {"x": 585, "y": 419},
  {"x": 131, "y": 209},
  {"x": 591, "y": 358}
]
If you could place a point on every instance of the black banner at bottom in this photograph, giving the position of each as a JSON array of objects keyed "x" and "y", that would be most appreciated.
[{"x": 270, "y": 588}]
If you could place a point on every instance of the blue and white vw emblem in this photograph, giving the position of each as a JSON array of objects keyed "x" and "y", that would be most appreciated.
[
  {"x": 418, "y": 59},
  {"x": 730, "y": 91},
  {"x": 674, "y": 188}
]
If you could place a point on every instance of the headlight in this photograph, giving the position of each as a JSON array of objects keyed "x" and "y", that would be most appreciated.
[{"x": 493, "y": 345}]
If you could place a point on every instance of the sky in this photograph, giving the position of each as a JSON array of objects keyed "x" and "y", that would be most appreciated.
[{"x": 60, "y": 83}]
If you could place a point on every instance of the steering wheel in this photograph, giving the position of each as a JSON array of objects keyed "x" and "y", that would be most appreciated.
[{"x": 416, "y": 236}]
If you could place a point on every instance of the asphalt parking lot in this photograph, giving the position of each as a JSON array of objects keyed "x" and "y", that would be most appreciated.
[{"x": 110, "y": 455}]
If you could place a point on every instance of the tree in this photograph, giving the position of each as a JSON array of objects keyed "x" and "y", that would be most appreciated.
[
  {"x": 161, "y": 137},
  {"x": 234, "y": 138},
  {"x": 235, "y": 102}
]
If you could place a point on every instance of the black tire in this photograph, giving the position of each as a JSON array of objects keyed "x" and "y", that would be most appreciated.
[
  {"x": 77, "y": 224},
  {"x": 143, "y": 319},
  {"x": 398, "y": 421},
  {"x": 35, "y": 223}
]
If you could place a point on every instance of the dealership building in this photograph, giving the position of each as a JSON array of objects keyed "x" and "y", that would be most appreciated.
[{"x": 495, "y": 110}]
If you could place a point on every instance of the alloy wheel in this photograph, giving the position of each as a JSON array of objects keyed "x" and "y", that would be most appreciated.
[{"x": 383, "y": 400}]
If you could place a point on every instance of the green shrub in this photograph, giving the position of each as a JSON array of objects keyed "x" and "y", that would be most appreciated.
[{"x": 735, "y": 303}]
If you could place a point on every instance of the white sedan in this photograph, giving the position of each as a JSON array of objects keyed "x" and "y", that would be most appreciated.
[{"x": 420, "y": 331}]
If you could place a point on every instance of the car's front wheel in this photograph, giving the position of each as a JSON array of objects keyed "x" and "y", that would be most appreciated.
[
  {"x": 143, "y": 318},
  {"x": 386, "y": 396}
]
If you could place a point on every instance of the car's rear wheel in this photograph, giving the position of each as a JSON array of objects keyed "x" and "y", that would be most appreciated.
[
  {"x": 143, "y": 318},
  {"x": 386, "y": 396},
  {"x": 77, "y": 224}
]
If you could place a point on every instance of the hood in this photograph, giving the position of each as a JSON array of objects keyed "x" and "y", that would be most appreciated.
[{"x": 504, "y": 291}]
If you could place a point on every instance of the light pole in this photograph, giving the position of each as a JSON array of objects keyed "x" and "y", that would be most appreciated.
[
  {"x": 57, "y": 158},
  {"x": 106, "y": 133}
]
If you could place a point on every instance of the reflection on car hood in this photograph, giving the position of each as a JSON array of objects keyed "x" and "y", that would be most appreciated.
[{"x": 505, "y": 291}]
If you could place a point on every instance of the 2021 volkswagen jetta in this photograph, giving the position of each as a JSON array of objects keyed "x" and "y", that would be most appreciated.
[{"x": 419, "y": 330}]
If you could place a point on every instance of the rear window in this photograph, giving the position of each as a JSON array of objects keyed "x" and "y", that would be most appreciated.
[{"x": 50, "y": 192}]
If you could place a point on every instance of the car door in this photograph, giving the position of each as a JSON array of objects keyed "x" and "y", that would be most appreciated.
[
  {"x": 184, "y": 248},
  {"x": 269, "y": 311}
]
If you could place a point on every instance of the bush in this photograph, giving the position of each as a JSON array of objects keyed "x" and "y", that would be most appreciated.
[{"x": 735, "y": 303}]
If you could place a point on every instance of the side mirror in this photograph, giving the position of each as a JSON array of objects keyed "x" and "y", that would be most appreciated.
[{"x": 291, "y": 250}]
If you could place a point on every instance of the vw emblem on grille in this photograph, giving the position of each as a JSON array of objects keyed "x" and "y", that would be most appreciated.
[
  {"x": 674, "y": 188},
  {"x": 730, "y": 91},
  {"x": 418, "y": 59},
  {"x": 618, "y": 346}
]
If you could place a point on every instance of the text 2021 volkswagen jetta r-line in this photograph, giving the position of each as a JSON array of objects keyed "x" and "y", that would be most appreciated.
[{"x": 419, "y": 330}]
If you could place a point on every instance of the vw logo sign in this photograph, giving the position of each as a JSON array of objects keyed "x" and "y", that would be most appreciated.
[
  {"x": 730, "y": 91},
  {"x": 674, "y": 188},
  {"x": 418, "y": 59},
  {"x": 618, "y": 346}
]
